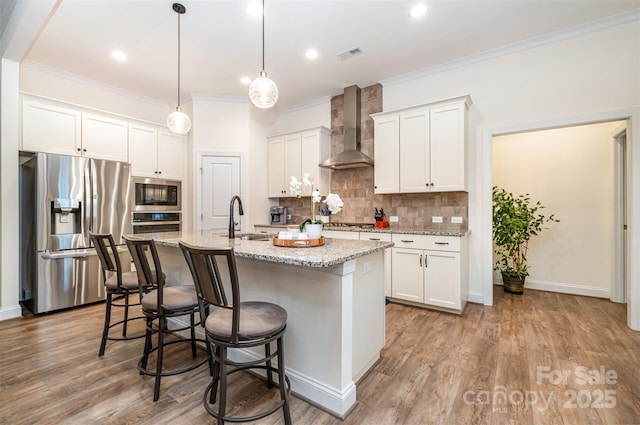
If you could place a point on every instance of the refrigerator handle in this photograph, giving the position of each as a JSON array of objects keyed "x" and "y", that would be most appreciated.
[{"x": 88, "y": 199}]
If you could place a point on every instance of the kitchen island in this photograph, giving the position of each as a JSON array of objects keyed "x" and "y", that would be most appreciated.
[{"x": 334, "y": 297}]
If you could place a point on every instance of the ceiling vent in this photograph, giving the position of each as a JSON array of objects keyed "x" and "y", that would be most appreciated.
[{"x": 350, "y": 53}]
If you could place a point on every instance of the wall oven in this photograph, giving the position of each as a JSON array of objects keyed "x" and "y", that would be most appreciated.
[
  {"x": 155, "y": 222},
  {"x": 149, "y": 195}
]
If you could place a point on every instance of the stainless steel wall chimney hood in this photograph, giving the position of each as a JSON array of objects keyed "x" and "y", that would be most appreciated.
[{"x": 350, "y": 157}]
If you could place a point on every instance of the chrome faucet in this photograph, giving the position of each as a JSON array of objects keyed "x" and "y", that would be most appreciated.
[{"x": 232, "y": 224}]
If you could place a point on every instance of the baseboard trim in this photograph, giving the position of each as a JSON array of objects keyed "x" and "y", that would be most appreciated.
[
  {"x": 11, "y": 312},
  {"x": 565, "y": 288},
  {"x": 475, "y": 297}
]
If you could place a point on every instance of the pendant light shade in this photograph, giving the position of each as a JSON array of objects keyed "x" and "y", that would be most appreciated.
[
  {"x": 263, "y": 92},
  {"x": 178, "y": 121}
]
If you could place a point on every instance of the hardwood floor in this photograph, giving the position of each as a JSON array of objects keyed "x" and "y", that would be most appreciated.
[{"x": 525, "y": 360}]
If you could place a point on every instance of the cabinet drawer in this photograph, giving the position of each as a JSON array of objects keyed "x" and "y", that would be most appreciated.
[
  {"x": 436, "y": 243},
  {"x": 375, "y": 236}
]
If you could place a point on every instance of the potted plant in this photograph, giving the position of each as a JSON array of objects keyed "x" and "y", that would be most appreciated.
[
  {"x": 515, "y": 221},
  {"x": 333, "y": 205}
]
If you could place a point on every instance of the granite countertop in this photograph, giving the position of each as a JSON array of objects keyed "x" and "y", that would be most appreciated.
[
  {"x": 333, "y": 252},
  {"x": 392, "y": 229}
]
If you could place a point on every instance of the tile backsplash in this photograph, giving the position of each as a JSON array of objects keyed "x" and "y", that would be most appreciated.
[{"x": 355, "y": 186}]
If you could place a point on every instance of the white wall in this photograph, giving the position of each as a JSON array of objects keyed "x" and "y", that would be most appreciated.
[
  {"x": 570, "y": 171},
  {"x": 235, "y": 126},
  {"x": 47, "y": 82},
  {"x": 312, "y": 114},
  {"x": 591, "y": 74}
]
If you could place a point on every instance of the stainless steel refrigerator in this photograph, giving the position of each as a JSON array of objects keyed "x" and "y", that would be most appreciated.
[{"x": 62, "y": 199}]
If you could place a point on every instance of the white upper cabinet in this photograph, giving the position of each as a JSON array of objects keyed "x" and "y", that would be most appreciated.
[
  {"x": 156, "y": 153},
  {"x": 54, "y": 127},
  {"x": 50, "y": 128},
  {"x": 172, "y": 156},
  {"x": 423, "y": 148},
  {"x": 386, "y": 152},
  {"x": 415, "y": 173},
  {"x": 104, "y": 138},
  {"x": 448, "y": 135},
  {"x": 296, "y": 153}
]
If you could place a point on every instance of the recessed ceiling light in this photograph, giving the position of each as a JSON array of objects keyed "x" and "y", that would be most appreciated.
[
  {"x": 119, "y": 55},
  {"x": 254, "y": 8},
  {"x": 311, "y": 54},
  {"x": 418, "y": 11},
  {"x": 245, "y": 80}
]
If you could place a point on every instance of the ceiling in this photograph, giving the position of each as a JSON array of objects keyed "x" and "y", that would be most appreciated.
[{"x": 221, "y": 42}]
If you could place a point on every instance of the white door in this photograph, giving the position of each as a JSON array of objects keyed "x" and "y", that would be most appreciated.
[{"x": 220, "y": 182}]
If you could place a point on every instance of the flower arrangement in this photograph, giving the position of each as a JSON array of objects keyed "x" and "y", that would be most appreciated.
[{"x": 332, "y": 202}]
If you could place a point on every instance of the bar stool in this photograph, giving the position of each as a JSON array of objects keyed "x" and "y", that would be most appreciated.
[
  {"x": 118, "y": 285},
  {"x": 160, "y": 304},
  {"x": 240, "y": 325}
]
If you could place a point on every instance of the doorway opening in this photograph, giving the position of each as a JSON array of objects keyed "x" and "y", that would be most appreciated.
[{"x": 577, "y": 172}]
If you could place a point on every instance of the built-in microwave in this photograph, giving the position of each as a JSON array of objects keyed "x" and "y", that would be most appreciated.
[{"x": 150, "y": 194}]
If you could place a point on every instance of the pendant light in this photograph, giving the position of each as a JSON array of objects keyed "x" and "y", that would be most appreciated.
[
  {"x": 263, "y": 92},
  {"x": 178, "y": 121}
]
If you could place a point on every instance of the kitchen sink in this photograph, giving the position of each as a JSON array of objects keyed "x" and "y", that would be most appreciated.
[{"x": 255, "y": 237}]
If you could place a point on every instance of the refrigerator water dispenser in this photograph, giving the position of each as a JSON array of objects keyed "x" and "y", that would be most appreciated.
[{"x": 65, "y": 217}]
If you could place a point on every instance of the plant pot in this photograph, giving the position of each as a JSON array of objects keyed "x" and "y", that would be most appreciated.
[
  {"x": 314, "y": 231},
  {"x": 513, "y": 284}
]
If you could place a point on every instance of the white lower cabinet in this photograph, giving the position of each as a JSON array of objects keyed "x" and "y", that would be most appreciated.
[
  {"x": 430, "y": 270},
  {"x": 339, "y": 234}
]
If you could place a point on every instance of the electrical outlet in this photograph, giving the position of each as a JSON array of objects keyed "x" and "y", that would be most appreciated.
[
  {"x": 288, "y": 216},
  {"x": 456, "y": 220},
  {"x": 393, "y": 219},
  {"x": 436, "y": 219}
]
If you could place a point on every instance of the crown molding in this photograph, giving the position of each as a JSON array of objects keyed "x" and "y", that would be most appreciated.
[
  {"x": 553, "y": 37},
  {"x": 37, "y": 66},
  {"x": 309, "y": 104}
]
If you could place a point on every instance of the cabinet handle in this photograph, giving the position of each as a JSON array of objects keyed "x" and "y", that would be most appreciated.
[
  {"x": 159, "y": 172},
  {"x": 431, "y": 184},
  {"x": 442, "y": 243},
  {"x": 374, "y": 239},
  {"x": 420, "y": 260},
  {"x": 425, "y": 261},
  {"x": 78, "y": 149},
  {"x": 406, "y": 241},
  {"x": 84, "y": 150}
]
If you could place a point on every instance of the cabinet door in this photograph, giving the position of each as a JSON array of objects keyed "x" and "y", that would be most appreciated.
[
  {"x": 48, "y": 128},
  {"x": 414, "y": 152},
  {"x": 143, "y": 151},
  {"x": 442, "y": 279},
  {"x": 448, "y": 159},
  {"x": 104, "y": 138},
  {"x": 386, "y": 151},
  {"x": 172, "y": 156},
  {"x": 292, "y": 164},
  {"x": 315, "y": 149},
  {"x": 276, "y": 168},
  {"x": 407, "y": 274}
]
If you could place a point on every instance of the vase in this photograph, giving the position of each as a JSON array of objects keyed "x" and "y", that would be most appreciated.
[
  {"x": 513, "y": 284},
  {"x": 314, "y": 231}
]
